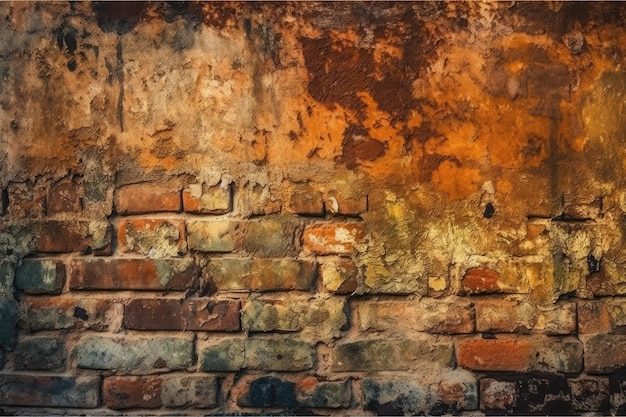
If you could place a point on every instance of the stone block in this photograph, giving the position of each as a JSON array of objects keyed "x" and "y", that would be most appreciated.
[{"x": 39, "y": 354}]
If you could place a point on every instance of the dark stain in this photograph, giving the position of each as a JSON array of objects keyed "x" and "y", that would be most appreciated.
[
  {"x": 271, "y": 391},
  {"x": 70, "y": 42},
  {"x": 4, "y": 202},
  {"x": 118, "y": 16},
  {"x": 358, "y": 147},
  {"x": 490, "y": 210},
  {"x": 71, "y": 65},
  {"x": 81, "y": 313},
  {"x": 593, "y": 264},
  {"x": 247, "y": 27}
]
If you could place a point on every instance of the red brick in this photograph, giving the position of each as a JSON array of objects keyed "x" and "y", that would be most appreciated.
[
  {"x": 56, "y": 313},
  {"x": 602, "y": 316},
  {"x": 147, "y": 198},
  {"x": 156, "y": 238},
  {"x": 187, "y": 314},
  {"x": 121, "y": 393},
  {"x": 481, "y": 280},
  {"x": 305, "y": 200},
  {"x": 333, "y": 238},
  {"x": 494, "y": 354},
  {"x": 56, "y": 236},
  {"x": 65, "y": 196},
  {"x": 203, "y": 199}
]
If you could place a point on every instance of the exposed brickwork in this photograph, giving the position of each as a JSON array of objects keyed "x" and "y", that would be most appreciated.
[{"x": 308, "y": 208}]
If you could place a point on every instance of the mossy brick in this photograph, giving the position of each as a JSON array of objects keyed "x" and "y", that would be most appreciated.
[
  {"x": 430, "y": 396},
  {"x": 518, "y": 316},
  {"x": 204, "y": 199},
  {"x": 323, "y": 318},
  {"x": 391, "y": 355},
  {"x": 200, "y": 314},
  {"x": 134, "y": 355},
  {"x": 443, "y": 316},
  {"x": 339, "y": 275},
  {"x": 40, "y": 276},
  {"x": 310, "y": 392},
  {"x": 332, "y": 238},
  {"x": 131, "y": 274},
  {"x": 189, "y": 391},
  {"x": 272, "y": 236},
  {"x": 147, "y": 198},
  {"x": 261, "y": 354},
  {"x": 246, "y": 274},
  {"x": 49, "y": 391},
  {"x": 39, "y": 354},
  {"x": 155, "y": 238},
  {"x": 8, "y": 320},
  {"x": 7, "y": 276},
  {"x": 211, "y": 235},
  {"x": 57, "y": 313},
  {"x": 269, "y": 391},
  {"x": 604, "y": 353}
]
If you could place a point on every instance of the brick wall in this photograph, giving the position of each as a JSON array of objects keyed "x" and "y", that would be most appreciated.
[{"x": 331, "y": 208}]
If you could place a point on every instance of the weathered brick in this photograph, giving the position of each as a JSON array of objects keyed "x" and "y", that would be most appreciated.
[
  {"x": 263, "y": 354},
  {"x": 8, "y": 318},
  {"x": 339, "y": 275},
  {"x": 57, "y": 313},
  {"x": 271, "y": 236},
  {"x": 119, "y": 392},
  {"x": 310, "y": 392},
  {"x": 391, "y": 355},
  {"x": 602, "y": 316},
  {"x": 267, "y": 392},
  {"x": 604, "y": 353},
  {"x": 458, "y": 392},
  {"x": 521, "y": 354},
  {"x": 346, "y": 205},
  {"x": 147, "y": 198},
  {"x": 590, "y": 395},
  {"x": 26, "y": 200},
  {"x": 65, "y": 196},
  {"x": 182, "y": 314},
  {"x": 212, "y": 235},
  {"x": 445, "y": 316},
  {"x": 59, "y": 236},
  {"x": 39, "y": 354},
  {"x": 236, "y": 274},
  {"x": 204, "y": 199},
  {"x": 7, "y": 276},
  {"x": 306, "y": 200},
  {"x": 156, "y": 238},
  {"x": 132, "y": 274},
  {"x": 50, "y": 391},
  {"x": 332, "y": 238},
  {"x": 186, "y": 391},
  {"x": 498, "y": 395},
  {"x": 40, "y": 276},
  {"x": 136, "y": 355},
  {"x": 481, "y": 280},
  {"x": 321, "y": 317},
  {"x": 518, "y": 316}
]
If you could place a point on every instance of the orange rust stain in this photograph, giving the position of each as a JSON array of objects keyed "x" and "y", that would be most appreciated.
[
  {"x": 481, "y": 280},
  {"x": 494, "y": 354},
  {"x": 457, "y": 181}
]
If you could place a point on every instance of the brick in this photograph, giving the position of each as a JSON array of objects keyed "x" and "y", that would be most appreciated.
[
  {"x": 517, "y": 316},
  {"x": 433, "y": 396},
  {"x": 258, "y": 199},
  {"x": 120, "y": 392},
  {"x": 204, "y": 199},
  {"x": 50, "y": 391},
  {"x": 8, "y": 319},
  {"x": 268, "y": 392},
  {"x": 188, "y": 314},
  {"x": 58, "y": 236},
  {"x": 310, "y": 392},
  {"x": 443, "y": 316},
  {"x": 306, "y": 200},
  {"x": 156, "y": 238},
  {"x": 500, "y": 396},
  {"x": 583, "y": 211},
  {"x": 602, "y": 316},
  {"x": 521, "y": 354},
  {"x": 132, "y": 274},
  {"x": 333, "y": 238},
  {"x": 481, "y": 280},
  {"x": 212, "y": 235},
  {"x": 26, "y": 200},
  {"x": 391, "y": 355},
  {"x": 40, "y": 276},
  {"x": 590, "y": 395},
  {"x": 7, "y": 276},
  {"x": 147, "y": 198},
  {"x": 604, "y": 353},
  {"x": 65, "y": 196},
  {"x": 339, "y": 275},
  {"x": 39, "y": 354},
  {"x": 136, "y": 355},
  {"x": 272, "y": 236},
  {"x": 323, "y": 318},
  {"x": 237, "y": 274},
  {"x": 262, "y": 354},
  {"x": 58, "y": 313},
  {"x": 342, "y": 204},
  {"x": 193, "y": 391}
]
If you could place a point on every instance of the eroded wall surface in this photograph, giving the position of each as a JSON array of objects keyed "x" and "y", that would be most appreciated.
[{"x": 318, "y": 208}]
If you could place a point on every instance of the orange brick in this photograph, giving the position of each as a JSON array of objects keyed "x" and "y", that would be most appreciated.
[
  {"x": 334, "y": 238},
  {"x": 146, "y": 198},
  {"x": 494, "y": 354},
  {"x": 481, "y": 280}
]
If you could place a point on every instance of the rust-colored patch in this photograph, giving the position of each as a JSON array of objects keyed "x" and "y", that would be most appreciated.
[
  {"x": 481, "y": 280},
  {"x": 494, "y": 354}
]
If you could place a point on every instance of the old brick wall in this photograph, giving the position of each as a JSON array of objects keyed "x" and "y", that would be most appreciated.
[{"x": 318, "y": 208}]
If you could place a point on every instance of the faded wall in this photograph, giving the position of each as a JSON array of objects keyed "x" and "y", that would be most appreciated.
[{"x": 329, "y": 208}]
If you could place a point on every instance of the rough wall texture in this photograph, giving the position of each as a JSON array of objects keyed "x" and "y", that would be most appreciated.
[{"x": 334, "y": 208}]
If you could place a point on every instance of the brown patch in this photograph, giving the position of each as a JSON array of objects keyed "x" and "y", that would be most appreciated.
[
  {"x": 494, "y": 354},
  {"x": 481, "y": 280}
]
